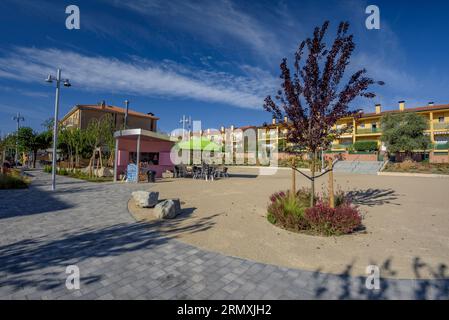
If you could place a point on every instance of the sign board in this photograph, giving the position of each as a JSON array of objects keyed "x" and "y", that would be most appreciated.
[{"x": 131, "y": 173}]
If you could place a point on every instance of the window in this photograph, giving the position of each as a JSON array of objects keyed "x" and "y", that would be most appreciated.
[
  {"x": 374, "y": 125},
  {"x": 440, "y": 119},
  {"x": 146, "y": 158}
]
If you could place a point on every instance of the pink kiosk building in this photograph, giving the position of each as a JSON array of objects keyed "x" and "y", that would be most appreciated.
[{"x": 149, "y": 150}]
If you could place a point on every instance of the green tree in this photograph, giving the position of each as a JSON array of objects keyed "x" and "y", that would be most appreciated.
[
  {"x": 316, "y": 92},
  {"x": 7, "y": 143},
  {"x": 72, "y": 141},
  {"x": 32, "y": 141},
  {"x": 99, "y": 134},
  {"x": 48, "y": 124},
  {"x": 404, "y": 132}
]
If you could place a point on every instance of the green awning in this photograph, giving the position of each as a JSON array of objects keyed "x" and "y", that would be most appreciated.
[{"x": 197, "y": 143}]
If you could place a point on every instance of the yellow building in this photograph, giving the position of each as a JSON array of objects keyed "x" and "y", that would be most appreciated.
[
  {"x": 80, "y": 116},
  {"x": 368, "y": 127},
  {"x": 365, "y": 127}
]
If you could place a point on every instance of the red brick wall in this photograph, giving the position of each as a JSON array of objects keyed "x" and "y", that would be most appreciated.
[
  {"x": 438, "y": 158},
  {"x": 352, "y": 156}
]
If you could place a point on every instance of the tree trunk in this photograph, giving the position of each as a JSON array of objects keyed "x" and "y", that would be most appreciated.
[
  {"x": 34, "y": 158},
  {"x": 91, "y": 163},
  {"x": 293, "y": 191},
  {"x": 293, "y": 188},
  {"x": 331, "y": 185},
  {"x": 312, "y": 181},
  {"x": 77, "y": 159}
]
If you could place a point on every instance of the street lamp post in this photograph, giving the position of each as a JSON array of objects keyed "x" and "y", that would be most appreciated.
[
  {"x": 125, "y": 123},
  {"x": 17, "y": 118},
  {"x": 66, "y": 83},
  {"x": 184, "y": 120}
]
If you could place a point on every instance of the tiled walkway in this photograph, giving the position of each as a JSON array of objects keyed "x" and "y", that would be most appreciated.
[{"x": 88, "y": 225}]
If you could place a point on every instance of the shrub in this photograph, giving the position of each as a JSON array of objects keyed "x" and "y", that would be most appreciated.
[
  {"x": 271, "y": 218},
  {"x": 287, "y": 211},
  {"x": 294, "y": 213},
  {"x": 13, "y": 180},
  {"x": 299, "y": 163},
  {"x": 333, "y": 221},
  {"x": 365, "y": 145}
]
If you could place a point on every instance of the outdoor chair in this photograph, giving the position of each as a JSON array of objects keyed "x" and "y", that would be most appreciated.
[
  {"x": 180, "y": 171},
  {"x": 196, "y": 172},
  {"x": 221, "y": 172},
  {"x": 225, "y": 173}
]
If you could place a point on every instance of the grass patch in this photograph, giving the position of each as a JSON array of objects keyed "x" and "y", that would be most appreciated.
[
  {"x": 294, "y": 213},
  {"x": 13, "y": 180},
  {"x": 418, "y": 167},
  {"x": 78, "y": 174}
]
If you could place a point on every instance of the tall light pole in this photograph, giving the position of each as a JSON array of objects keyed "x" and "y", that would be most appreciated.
[
  {"x": 17, "y": 118},
  {"x": 66, "y": 83},
  {"x": 126, "y": 115},
  {"x": 184, "y": 120}
]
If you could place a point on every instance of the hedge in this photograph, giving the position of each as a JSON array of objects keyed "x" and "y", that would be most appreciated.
[{"x": 368, "y": 145}]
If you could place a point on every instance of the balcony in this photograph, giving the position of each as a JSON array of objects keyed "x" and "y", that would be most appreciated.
[
  {"x": 441, "y": 146},
  {"x": 441, "y": 126},
  {"x": 368, "y": 130},
  {"x": 341, "y": 146}
]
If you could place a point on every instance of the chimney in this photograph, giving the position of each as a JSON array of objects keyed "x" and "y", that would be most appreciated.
[
  {"x": 232, "y": 127},
  {"x": 378, "y": 108},
  {"x": 401, "y": 105},
  {"x": 431, "y": 104},
  {"x": 285, "y": 119},
  {"x": 222, "y": 129},
  {"x": 273, "y": 121}
]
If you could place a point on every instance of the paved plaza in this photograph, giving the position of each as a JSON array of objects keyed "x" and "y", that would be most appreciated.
[{"x": 88, "y": 225}]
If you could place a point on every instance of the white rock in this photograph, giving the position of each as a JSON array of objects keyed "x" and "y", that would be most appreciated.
[
  {"x": 167, "y": 174},
  {"x": 145, "y": 199},
  {"x": 167, "y": 209}
]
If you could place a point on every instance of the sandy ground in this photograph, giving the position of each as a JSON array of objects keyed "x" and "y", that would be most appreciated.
[{"x": 406, "y": 221}]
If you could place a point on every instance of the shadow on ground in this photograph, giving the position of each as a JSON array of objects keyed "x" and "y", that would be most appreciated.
[
  {"x": 351, "y": 287},
  {"x": 13, "y": 204},
  {"x": 373, "y": 197},
  {"x": 182, "y": 223},
  {"x": 24, "y": 263}
]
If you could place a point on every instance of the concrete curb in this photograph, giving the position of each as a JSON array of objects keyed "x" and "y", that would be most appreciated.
[
  {"x": 421, "y": 175},
  {"x": 262, "y": 167}
]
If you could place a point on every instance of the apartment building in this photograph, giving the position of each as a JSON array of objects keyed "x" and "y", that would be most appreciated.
[
  {"x": 368, "y": 126},
  {"x": 80, "y": 116}
]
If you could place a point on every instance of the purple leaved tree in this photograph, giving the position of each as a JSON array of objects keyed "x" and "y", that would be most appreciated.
[{"x": 313, "y": 98}]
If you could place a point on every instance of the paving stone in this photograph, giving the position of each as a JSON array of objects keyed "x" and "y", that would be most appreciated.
[{"x": 88, "y": 225}]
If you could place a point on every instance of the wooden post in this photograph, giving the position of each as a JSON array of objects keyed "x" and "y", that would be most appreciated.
[
  {"x": 138, "y": 158},
  {"x": 293, "y": 190},
  {"x": 115, "y": 159},
  {"x": 331, "y": 184}
]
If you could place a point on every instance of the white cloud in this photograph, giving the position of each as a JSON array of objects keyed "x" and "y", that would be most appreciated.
[
  {"x": 137, "y": 76},
  {"x": 217, "y": 21},
  {"x": 19, "y": 91}
]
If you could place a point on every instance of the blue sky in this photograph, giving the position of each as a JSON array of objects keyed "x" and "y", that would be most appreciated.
[{"x": 212, "y": 60}]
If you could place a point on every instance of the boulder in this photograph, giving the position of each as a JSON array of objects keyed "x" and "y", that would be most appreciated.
[
  {"x": 167, "y": 174},
  {"x": 167, "y": 209},
  {"x": 177, "y": 205},
  {"x": 145, "y": 199},
  {"x": 104, "y": 172}
]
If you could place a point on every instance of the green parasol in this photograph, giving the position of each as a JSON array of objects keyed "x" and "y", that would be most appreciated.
[{"x": 197, "y": 143}]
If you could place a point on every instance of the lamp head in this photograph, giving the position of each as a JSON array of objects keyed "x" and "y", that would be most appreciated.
[
  {"x": 67, "y": 83},
  {"x": 49, "y": 79}
]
